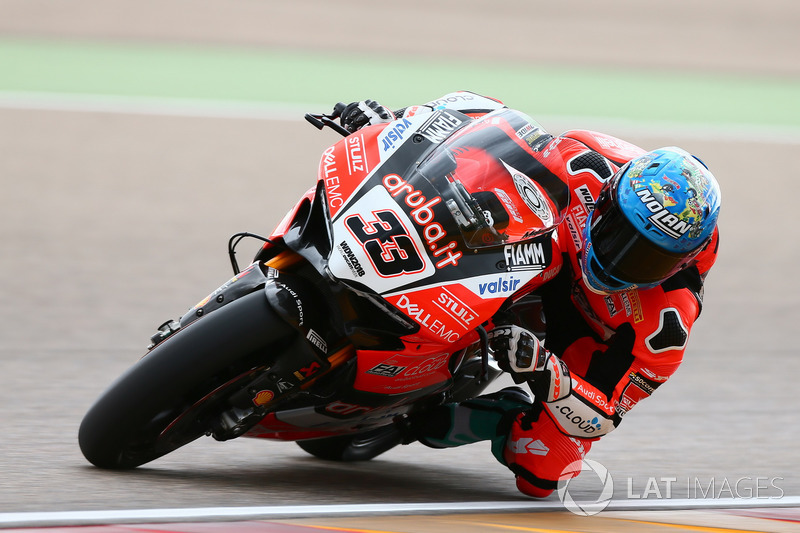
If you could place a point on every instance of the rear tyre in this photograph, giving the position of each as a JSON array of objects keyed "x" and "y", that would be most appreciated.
[
  {"x": 359, "y": 447},
  {"x": 171, "y": 396}
]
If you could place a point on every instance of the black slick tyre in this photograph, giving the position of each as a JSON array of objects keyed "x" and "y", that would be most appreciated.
[{"x": 134, "y": 420}]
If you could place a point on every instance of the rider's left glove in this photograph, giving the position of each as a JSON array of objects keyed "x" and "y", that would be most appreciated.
[
  {"x": 365, "y": 113},
  {"x": 520, "y": 353}
]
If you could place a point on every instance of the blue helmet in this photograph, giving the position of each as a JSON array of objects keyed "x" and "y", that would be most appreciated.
[{"x": 650, "y": 220}]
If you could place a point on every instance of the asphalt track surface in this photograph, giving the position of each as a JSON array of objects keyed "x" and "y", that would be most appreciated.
[{"x": 112, "y": 222}]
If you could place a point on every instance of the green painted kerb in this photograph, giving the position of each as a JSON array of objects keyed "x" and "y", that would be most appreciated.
[{"x": 257, "y": 75}]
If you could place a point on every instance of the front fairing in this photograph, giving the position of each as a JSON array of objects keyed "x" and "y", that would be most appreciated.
[{"x": 445, "y": 227}]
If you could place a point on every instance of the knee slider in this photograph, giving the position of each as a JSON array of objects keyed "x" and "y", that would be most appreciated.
[{"x": 530, "y": 484}]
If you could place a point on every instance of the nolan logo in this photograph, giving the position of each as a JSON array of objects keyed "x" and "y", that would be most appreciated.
[{"x": 670, "y": 224}]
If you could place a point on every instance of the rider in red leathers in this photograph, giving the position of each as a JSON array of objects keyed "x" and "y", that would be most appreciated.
[{"x": 636, "y": 245}]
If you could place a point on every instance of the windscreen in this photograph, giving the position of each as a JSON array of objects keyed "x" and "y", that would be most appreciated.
[{"x": 491, "y": 177}]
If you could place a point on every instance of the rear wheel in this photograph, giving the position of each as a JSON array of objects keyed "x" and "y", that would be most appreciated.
[
  {"x": 358, "y": 447},
  {"x": 177, "y": 392}
]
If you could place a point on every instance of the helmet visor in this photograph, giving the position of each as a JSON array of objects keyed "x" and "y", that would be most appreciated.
[{"x": 622, "y": 251}]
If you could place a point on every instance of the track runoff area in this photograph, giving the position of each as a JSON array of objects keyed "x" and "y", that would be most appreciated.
[{"x": 28, "y": 81}]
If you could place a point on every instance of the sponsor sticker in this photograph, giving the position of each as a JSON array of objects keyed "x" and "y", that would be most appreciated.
[
  {"x": 439, "y": 126},
  {"x": 528, "y": 256},
  {"x": 422, "y": 214},
  {"x": 531, "y": 194},
  {"x": 525, "y": 445},
  {"x": 356, "y": 156},
  {"x": 430, "y": 321}
]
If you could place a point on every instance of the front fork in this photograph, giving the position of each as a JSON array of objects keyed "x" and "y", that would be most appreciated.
[{"x": 314, "y": 352}]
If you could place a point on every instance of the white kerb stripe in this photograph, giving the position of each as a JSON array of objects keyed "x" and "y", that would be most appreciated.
[{"x": 38, "y": 519}]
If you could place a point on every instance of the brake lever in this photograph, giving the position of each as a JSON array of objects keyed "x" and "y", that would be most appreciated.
[{"x": 320, "y": 120}]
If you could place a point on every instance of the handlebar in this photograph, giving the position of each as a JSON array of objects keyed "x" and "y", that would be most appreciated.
[{"x": 320, "y": 120}]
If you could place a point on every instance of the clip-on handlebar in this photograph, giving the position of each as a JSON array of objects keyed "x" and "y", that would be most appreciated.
[{"x": 320, "y": 120}]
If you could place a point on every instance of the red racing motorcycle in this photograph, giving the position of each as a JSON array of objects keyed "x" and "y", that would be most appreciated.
[{"x": 368, "y": 304}]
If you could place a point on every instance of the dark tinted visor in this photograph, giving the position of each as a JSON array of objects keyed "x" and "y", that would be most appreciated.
[{"x": 622, "y": 251}]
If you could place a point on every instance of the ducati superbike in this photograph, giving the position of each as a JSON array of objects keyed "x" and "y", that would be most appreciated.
[{"x": 368, "y": 304}]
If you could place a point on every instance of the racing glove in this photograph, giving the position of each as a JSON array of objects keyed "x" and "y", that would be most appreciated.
[
  {"x": 365, "y": 113},
  {"x": 520, "y": 353}
]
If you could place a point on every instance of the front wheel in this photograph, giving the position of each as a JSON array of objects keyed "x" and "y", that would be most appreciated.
[{"x": 171, "y": 396}]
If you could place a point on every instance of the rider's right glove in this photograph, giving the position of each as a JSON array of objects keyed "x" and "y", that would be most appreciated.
[
  {"x": 520, "y": 353},
  {"x": 366, "y": 113}
]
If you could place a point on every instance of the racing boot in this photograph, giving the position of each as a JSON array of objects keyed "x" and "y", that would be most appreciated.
[
  {"x": 540, "y": 455},
  {"x": 487, "y": 417}
]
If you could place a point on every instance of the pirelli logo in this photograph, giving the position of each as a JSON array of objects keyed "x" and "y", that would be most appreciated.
[{"x": 315, "y": 339}]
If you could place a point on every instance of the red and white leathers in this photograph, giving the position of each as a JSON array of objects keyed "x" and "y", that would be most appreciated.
[
  {"x": 615, "y": 348},
  {"x": 618, "y": 348}
]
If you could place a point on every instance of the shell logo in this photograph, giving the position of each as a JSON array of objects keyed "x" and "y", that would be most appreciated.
[{"x": 264, "y": 396}]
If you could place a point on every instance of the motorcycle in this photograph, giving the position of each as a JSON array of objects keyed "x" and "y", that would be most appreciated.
[{"x": 366, "y": 306}]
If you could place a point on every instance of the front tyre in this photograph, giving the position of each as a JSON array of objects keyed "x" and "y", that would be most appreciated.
[{"x": 170, "y": 396}]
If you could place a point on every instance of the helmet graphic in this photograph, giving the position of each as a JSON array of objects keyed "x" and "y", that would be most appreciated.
[{"x": 650, "y": 219}]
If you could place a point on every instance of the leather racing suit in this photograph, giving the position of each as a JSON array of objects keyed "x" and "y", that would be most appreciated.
[{"x": 611, "y": 350}]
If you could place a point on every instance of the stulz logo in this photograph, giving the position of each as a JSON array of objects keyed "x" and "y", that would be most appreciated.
[
  {"x": 356, "y": 158},
  {"x": 528, "y": 256},
  {"x": 454, "y": 307},
  {"x": 670, "y": 224}
]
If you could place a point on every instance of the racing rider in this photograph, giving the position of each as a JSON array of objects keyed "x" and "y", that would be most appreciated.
[{"x": 636, "y": 245}]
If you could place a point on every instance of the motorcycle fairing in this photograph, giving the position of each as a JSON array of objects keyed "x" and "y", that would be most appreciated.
[
  {"x": 395, "y": 373},
  {"x": 343, "y": 166},
  {"x": 395, "y": 212},
  {"x": 376, "y": 244},
  {"x": 310, "y": 422},
  {"x": 348, "y": 166},
  {"x": 248, "y": 280},
  {"x": 447, "y": 312},
  {"x": 466, "y": 102},
  {"x": 395, "y": 224},
  {"x": 612, "y": 148}
]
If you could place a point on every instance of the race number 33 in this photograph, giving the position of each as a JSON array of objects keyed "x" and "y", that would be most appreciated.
[{"x": 387, "y": 243}]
